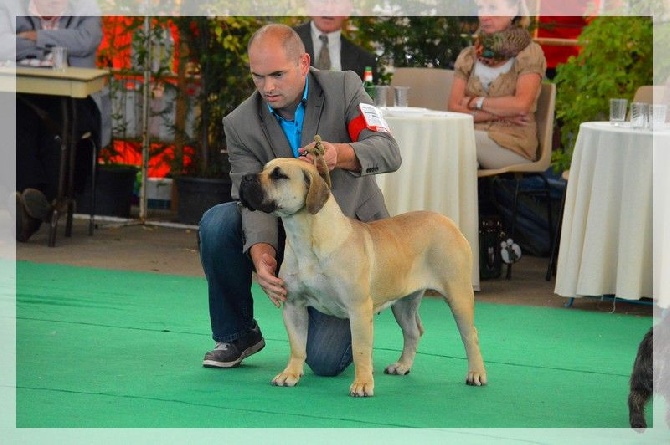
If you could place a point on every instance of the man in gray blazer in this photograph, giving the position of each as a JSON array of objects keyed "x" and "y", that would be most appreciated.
[{"x": 293, "y": 102}]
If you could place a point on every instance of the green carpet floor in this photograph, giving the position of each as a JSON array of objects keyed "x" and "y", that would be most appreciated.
[{"x": 109, "y": 349}]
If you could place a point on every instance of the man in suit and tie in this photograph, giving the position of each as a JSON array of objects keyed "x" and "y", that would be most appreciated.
[
  {"x": 292, "y": 103},
  {"x": 328, "y": 49}
]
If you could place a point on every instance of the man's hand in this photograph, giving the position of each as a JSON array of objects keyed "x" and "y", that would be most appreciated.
[
  {"x": 339, "y": 155},
  {"x": 264, "y": 259},
  {"x": 329, "y": 154}
]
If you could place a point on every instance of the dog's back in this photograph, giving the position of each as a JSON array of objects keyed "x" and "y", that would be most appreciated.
[{"x": 421, "y": 236}]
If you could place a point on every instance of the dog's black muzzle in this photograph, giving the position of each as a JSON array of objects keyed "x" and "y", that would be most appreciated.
[{"x": 251, "y": 194}]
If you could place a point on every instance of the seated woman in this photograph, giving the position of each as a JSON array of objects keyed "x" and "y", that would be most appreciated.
[
  {"x": 43, "y": 25},
  {"x": 497, "y": 80}
]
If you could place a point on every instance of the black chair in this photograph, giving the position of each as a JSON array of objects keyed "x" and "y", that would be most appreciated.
[{"x": 546, "y": 106}]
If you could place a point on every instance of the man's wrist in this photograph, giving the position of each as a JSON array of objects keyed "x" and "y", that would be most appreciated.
[{"x": 257, "y": 250}]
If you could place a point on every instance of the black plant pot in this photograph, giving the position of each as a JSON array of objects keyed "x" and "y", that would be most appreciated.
[
  {"x": 114, "y": 189},
  {"x": 197, "y": 195}
]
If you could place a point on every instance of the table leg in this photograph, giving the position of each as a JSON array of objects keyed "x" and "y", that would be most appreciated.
[
  {"x": 63, "y": 201},
  {"x": 59, "y": 202},
  {"x": 69, "y": 194}
]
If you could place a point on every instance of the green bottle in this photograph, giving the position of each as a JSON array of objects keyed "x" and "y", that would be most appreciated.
[{"x": 368, "y": 83}]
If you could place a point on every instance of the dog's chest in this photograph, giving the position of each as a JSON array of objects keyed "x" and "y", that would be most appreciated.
[{"x": 309, "y": 284}]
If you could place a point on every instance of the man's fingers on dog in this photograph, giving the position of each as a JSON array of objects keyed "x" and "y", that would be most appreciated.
[{"x": 275, "y": 296}]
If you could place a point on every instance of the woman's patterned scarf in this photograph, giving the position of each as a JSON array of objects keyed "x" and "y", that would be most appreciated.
[{"x": 494, "y": 49}]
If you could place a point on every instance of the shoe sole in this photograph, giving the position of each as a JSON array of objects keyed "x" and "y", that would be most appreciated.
[
  {"x": 26, "y": 225},
  {"x": 36, "y": 204},
  {"x": 246, "y": 353}
]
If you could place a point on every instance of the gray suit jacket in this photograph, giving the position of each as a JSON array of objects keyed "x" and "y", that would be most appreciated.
[
  {"x": 254, "y": 137},
  {"x": 352, "y": 57}
]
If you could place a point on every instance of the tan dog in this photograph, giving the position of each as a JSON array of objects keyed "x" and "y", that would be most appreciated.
[{"x": 350, "y": 269}]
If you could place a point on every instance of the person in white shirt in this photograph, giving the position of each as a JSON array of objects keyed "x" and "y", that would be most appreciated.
[{"x": 327, "y": 21}]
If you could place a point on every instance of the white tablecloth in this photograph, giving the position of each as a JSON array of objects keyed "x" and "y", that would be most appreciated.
[
  {"x": 606, "y": 237},
  {"x": 438, "y": 172},
  {"x": 662, "y": 218}
]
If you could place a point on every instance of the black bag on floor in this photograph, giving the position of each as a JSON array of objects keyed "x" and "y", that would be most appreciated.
[
  {"x": 532, "y": 227},
  {"x": 490, "y": 235}
]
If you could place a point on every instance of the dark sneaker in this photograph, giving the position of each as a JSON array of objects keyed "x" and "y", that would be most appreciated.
[
  {"x": 36, "y": 204},
  {"x": 229, "y": 355},
  {"x": 26, "y": 225}
]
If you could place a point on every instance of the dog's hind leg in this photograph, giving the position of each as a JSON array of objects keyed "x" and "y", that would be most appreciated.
[
  {"x": 406, "y": 312},
  {"x": 461, "y": 300}
]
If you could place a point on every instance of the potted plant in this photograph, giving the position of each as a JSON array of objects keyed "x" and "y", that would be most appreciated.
[
  {"x": 114, "y": 186},
  {"x": 412, "y": 41},
  {"x": 117, "y": 172},
  {"x": 616, "y": 58},
  {"x": 214, "y": 49}
]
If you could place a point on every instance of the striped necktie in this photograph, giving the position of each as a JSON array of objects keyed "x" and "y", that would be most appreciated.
[{"x": 324, "y": 55}]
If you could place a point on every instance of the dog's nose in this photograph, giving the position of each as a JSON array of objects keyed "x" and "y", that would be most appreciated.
[{"x": 249, "y": 177}]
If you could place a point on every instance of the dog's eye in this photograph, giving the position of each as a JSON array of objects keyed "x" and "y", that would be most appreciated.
[{"x": 277, "y": 174}]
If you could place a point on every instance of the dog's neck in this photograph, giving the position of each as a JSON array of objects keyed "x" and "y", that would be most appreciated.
[{"x": 300, "y": 226}]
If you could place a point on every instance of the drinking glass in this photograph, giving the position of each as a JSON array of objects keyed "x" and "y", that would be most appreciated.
[
  {"x": 400, "y": 95},
  {"x": 381, "y": 92},
  {"x": 658, "y": 114},
  {"x": 639, "y": 115},
  {"x": 59, "y": 58},
  {"x": 618, "y": 108}
]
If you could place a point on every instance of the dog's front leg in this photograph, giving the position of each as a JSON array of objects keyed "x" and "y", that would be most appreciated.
[
  {"x": 296, "y": 321},
  {"x": 361, "y": 320}
]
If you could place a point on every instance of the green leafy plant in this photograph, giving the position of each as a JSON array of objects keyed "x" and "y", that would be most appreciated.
[
  {"x": 413, "y": 41},
  {"x": 126, "y": 85},
  {"x": 616, "y": 58},
  {"x": 217, "y": 49}
]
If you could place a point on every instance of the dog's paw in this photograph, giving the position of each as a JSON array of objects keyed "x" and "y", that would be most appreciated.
[
  {"x": 476, "y": 378},
  {"x": 362, "y": 389},
  {"x": 397, "y": 369},
  {"x": 286, "y": 379}
]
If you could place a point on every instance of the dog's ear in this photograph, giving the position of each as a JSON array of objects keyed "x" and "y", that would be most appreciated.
[{"x": 317, "y": 191}]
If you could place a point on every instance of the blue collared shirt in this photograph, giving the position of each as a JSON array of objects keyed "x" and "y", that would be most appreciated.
[{"x": 293, "y": 129}]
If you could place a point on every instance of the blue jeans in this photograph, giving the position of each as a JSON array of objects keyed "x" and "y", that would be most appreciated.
[{"x": 229, "y": 274}]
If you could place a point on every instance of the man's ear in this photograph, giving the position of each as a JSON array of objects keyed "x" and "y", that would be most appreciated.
[{"x": 317, "y": 191}]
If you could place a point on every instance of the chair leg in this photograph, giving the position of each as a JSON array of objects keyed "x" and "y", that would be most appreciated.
[
  {"x": 547, "y": 194},
  {"x": 94, "y": 170},
  {"x": 508, "y": 276}
]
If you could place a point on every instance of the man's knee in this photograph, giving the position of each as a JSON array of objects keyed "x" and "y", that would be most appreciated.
[
  {"x": 327, "y": 364},
  {"x": 218, "y": 223}
]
